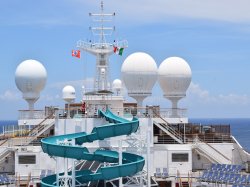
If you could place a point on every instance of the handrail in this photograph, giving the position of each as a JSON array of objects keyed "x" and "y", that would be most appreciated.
[
  {"x": 4, "y": 141},
  {"x": 205, "y": 155},
  {"x": 240, "y": 148},
  {"x": 40, "y": 124},
  {"x": 32, "y": 130},
  {"x": 169, "y": 128},
  {"x": 199, "y": 141}
]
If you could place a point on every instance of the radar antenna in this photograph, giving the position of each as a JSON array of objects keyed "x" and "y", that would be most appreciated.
[{"x": 101, "y": 49}]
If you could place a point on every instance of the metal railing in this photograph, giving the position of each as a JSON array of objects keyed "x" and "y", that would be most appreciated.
[
  {"x": 15, "y": 131},
  {"x": 210, "y": 139},
  {"x": 34, "y": 114},
  {"x": 167, "y": 128},
  {"x": 40, "y": 126},
  {"x": 92, "y": 111},
  {"x": 143, "y": 112},
  {"x": 11, "y": 131},
  {"x": 165, "y": 139}
]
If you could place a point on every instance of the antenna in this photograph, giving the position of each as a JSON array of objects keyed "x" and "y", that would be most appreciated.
[{"x": 101, "y": 49}]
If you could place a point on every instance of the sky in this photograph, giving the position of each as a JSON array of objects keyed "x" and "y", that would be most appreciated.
[{"x": 212, "y": 36}]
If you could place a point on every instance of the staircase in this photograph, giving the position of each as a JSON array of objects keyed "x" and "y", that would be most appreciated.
[
  {"x": 39, "y": 129},
  {"x": 170, "y": 131},
  {"x": 5, "y": 154},
  {"x": 211, "y": 153},
  {"x": 165, "y": 127},
  {"x": 34, "y": 133}
]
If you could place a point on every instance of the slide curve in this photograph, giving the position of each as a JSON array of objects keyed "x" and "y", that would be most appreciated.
[{"x": 117, "y": 126}]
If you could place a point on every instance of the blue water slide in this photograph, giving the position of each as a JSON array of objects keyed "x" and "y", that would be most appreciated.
[{"x": 117, "y": 126}]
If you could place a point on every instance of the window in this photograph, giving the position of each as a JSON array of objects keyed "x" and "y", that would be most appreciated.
[
  {"x": 179, "y": 157},
  {"x": 27, "y": 159}
]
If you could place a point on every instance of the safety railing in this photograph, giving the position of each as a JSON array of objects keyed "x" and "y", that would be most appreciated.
[
  {"x": 34, "y": 114},
  {"x": 77, "y": 111}
]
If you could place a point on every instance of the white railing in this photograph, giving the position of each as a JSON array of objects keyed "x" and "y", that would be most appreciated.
[
  {"x": 143, "y": 112},
  {"x": 173, "y": 113},
  {"x": 34, "y": 114},
  {"x": 85, "y": 44},
  {"x": 15, "y": 130},
  {"x": 93, "y": 46},
  {"x": 92, "y": 111},
  {"x": 211, "y": 152}
]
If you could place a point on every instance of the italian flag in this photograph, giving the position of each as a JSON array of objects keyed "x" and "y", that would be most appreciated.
[{"x": 118, "y": 51}]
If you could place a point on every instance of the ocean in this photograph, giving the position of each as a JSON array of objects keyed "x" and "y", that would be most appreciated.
[{"x": 240, "y": 127}]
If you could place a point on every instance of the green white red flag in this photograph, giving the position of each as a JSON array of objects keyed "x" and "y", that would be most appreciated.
[{"x": 118, "y": 51}]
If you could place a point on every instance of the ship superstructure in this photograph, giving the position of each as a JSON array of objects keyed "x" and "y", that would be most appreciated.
[
  {"x": 101, "y": 48},
  {"x": 105, "y": 141}
]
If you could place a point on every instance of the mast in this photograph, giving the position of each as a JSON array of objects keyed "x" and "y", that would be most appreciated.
[{"x": 102, "y": 49}]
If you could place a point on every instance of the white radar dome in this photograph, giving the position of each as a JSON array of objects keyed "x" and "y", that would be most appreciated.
[
  {"x": 139, "y": 73},
  {"x": 30, "y": 78},
  {"x": 103, "y": 71},
  {"x": 69, "y": 93},
  {"x": 117, "y": 84},
  {"x": 174, "y": 77}
]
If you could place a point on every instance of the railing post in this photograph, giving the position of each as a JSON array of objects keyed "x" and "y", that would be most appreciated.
[
  {"x": 184, "y": 133},
  {"x": 150, "y": 112},
  {"x": 73, "y": 174},
  {"x": 120, "y": 161},
  {"x": 13, "y": 133},
  {"x": 56, "y": 120}
]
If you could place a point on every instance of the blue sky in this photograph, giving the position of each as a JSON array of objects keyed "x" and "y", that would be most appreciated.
[{"x": 213, "y": 37}]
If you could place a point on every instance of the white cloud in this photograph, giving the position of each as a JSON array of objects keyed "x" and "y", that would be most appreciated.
[
  {"x": 159, "y": 10},
  {"x": 234, "y": 99},
  {"x": 50, "y": 98},
  {"x": 87, "y": 83},
  {"x": 196, "y": 93},
  {"x": 10, "y": 95},
  {"x": 196, "y": 89},
  {"x": 139, "y": 11}
]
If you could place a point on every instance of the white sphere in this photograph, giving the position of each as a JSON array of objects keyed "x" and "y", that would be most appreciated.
[
  {"x": 139, "y": 73},
  {"x": 30, "y": 78},
  {"x": 103, "y": 71},
  {"x": 117, "y": 84},
  {"x": 174, "y": 75},
  {"x": 69, "y": 93}
]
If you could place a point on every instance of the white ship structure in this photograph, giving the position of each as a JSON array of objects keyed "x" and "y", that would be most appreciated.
[{"x": 105, "y": 141}]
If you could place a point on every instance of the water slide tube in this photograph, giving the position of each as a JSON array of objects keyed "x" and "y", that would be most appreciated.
[{"x": 117, "y": 126}]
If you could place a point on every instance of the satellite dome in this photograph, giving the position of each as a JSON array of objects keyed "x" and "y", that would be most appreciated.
[
  {"x": 103, "y": 71},
  {"x": 30, "y": 78},
  {"x": 139, "y": 73},
  {"x": 174, "y": 77},
  {"x": 69, "y": 93},
  {"x": 117, "y": 84}
]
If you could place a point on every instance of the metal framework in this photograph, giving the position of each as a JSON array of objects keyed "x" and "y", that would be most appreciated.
[
  {"x": 101, "y": 49},
  {"x": 65, "y": 180}
]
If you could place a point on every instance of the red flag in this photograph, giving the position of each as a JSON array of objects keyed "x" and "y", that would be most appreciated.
[
  {"x": 115, "y": 49},
  {"x": 76, "y": 53}
]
